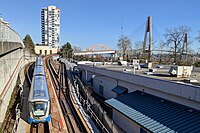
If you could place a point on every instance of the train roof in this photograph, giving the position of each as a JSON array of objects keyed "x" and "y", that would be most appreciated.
[
  {"x": 39, "y": 89},
  {"x": 39, "y": 61},
  {"x": 39, "y": 70}
]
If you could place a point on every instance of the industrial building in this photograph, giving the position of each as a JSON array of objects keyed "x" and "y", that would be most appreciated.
[
  {"x": 142, "y": 112},
  {"x": 50, "y": 26},
  {"x": 143, "y": 104}
]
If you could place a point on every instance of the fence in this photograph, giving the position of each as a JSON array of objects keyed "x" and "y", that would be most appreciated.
[{"x": 95, "y": 106}]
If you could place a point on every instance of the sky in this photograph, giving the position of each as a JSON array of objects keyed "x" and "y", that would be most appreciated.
[{"x": 88, "y": 22}]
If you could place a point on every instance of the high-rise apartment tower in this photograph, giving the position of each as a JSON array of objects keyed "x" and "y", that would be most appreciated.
[{"x": 50, "y": 17}]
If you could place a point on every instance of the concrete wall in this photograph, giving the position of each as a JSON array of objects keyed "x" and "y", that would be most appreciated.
[
  {"x": 188, "y": 95},
  {"x": 8, "y": 46},
  {"x": 107, "y": 83},
  {"x": 9, "y": 39},
  {"x": 10, "y": 66},
  {"x": 125, "y": 123}
]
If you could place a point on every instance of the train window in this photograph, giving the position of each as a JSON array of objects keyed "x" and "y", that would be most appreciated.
[
  {"x": 40, "y": 93},
  {"x": 39, "y": 108}
]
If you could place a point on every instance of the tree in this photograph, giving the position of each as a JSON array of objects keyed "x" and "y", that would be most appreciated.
[
  {"x": 29, "y": 45},
  {"x": 198, "y": 37},
  {"x": 124, "y": 43},
  {"x": 75, "y": 48},
  {"x": 66, "y": 50},
  {"x": 175, "y": 39},
  {"x": 138, "y": 46}
]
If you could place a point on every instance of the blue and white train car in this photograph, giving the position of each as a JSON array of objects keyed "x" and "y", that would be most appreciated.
[
  {"x": 39, "y": 61},
  {"x": 39, "y": 70},
  {"x": 39, "y": 101}
]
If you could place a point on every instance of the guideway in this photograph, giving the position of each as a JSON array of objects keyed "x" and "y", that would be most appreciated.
[{"x": 57, "y": 123}]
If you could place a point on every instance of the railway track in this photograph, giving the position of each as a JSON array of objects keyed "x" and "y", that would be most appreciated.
[
  {"x": 72, "y": 119},
  {"x": 75, "y": 101},
  {"x": 39, "y": 128},
  {"x": 84, "y": 99},
  {"x": 71, "y": 110}
]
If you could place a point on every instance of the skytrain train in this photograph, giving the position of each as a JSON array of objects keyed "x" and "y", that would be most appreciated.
[{"x": 39, "y": 101}]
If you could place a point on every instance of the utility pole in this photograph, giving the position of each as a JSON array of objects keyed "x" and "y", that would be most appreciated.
[
  {"x": 148, "y": 30},
  {"x": 185, "y": 45}
]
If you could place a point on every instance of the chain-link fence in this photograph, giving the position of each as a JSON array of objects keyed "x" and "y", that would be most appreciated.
[{"x": 9, "y": 39}]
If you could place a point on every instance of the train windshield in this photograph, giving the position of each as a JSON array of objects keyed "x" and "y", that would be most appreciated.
[{"x": 39, "y": 108}]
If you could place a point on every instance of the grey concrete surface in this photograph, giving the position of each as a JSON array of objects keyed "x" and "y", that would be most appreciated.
[{"x": 10, "y": 66}]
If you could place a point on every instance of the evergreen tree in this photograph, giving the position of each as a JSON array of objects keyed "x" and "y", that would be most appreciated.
[
  {"x": 29, "y": 45},
  {"x": 66, "y": 50}
]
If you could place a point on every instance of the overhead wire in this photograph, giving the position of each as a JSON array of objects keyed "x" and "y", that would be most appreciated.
[
  {"x": 158, "y": 37},
  {"x": 135, "y": 32},
  {"x": 132, "y": 34}
]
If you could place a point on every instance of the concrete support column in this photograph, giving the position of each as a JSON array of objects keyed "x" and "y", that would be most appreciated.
[{"x": 150, "y": 37}]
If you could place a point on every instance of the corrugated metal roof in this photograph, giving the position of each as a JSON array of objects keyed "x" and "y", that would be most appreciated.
[
  {"x": 119, "y": 90},
  {"x": 157, "y": 114}
]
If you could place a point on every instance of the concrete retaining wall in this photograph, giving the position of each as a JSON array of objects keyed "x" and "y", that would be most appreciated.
[
  {"x": 8, "y": 46},
  {"x": 10, "y": 66}
]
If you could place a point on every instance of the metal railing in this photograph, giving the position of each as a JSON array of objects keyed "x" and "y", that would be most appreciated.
[{"x": 95, "y": 109}]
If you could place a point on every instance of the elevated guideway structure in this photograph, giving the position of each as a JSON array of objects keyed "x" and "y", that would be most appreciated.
[{"x": 96, "y": 49}]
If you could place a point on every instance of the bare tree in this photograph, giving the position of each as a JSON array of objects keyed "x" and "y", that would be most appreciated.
[
  {"x": 198, "y": 37},
  {"x": 124, "y": 43},
  {"x": 76, "y": 48},
  {"x": 138, "y": 46},
  {"x": 175, "y": 39}
]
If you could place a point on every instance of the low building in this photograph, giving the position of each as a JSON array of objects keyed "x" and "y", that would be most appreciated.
[
  {"x": 143, "y": 104},
  {"x": 140, "y": 112},
  {"x": 45, "y": 50}
]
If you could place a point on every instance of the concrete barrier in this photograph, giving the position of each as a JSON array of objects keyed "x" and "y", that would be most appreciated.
[{"x": 10, "y": 66}]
